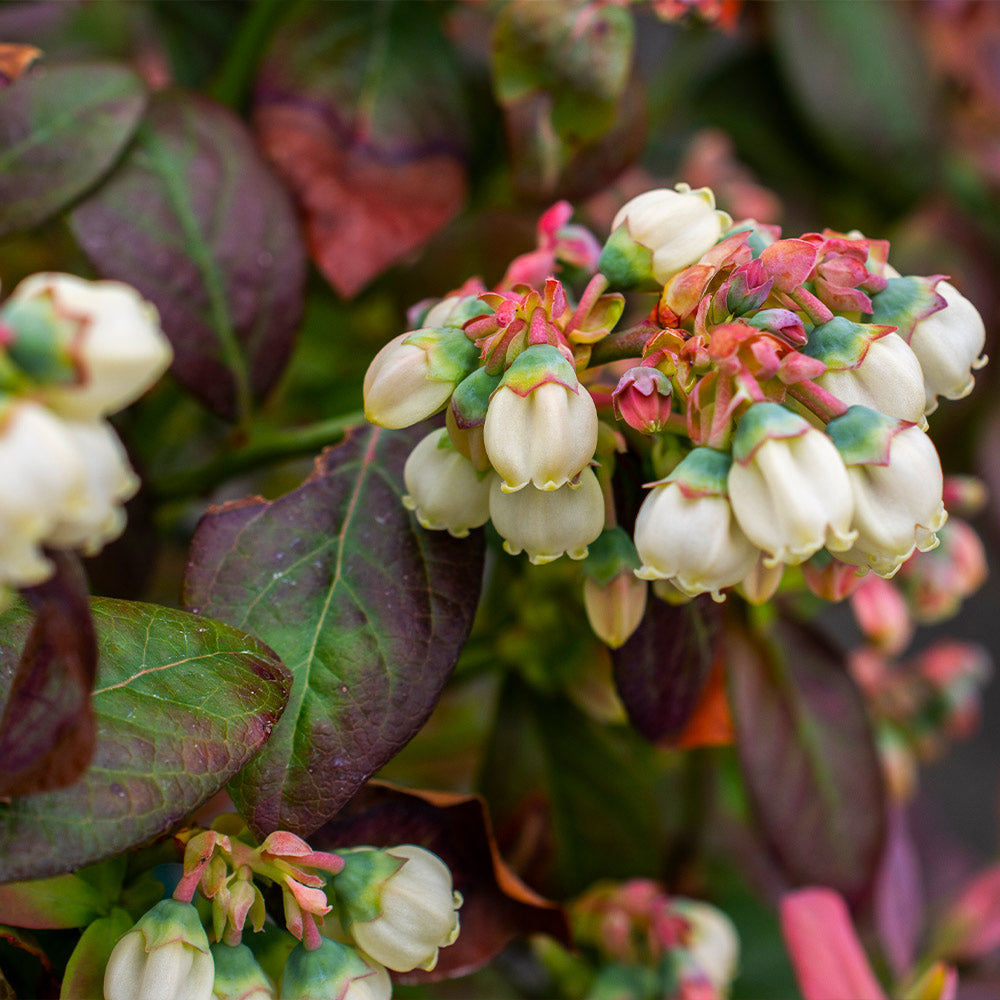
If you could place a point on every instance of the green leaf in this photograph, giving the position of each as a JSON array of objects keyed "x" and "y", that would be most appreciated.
[
  {"x": 181, "y": 704},
  {"x": 84, "y": 976},
  {"x": 61, "y": 901},
  {"x": 585, "y": 790},
  {"x": 61, "y": 129},
  {"x": 808, "y": 757},
  {"x": 367, "y": 609},
  {"x": 195, "y": 219}
]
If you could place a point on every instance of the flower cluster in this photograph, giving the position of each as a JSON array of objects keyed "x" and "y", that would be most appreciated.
[
  {"x": 389, "y": 909},
  {"x": 71, "y": 353},
  {"x": 792, "y": 378}
]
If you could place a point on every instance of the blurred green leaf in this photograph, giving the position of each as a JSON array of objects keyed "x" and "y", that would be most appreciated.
[{"x": 61, "y": 129}]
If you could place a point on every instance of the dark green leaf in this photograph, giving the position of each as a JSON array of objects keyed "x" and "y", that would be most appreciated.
[
  {"x": 61, "y": 129},
  {"x": 367, "y": 609},
  {"x": 808, "y": 758},
  {"x": 571, "y": 799},
  {"x": 181, "y": 703},
  {"x": 197, "y": 222}
]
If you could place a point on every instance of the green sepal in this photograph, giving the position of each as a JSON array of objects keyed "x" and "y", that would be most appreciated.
[
  {"x": 237, "y": 971},
  {"x": 471, "y": 398},
  {"x": 41, "y": 340},
  {"x": 627, "y": 265},
  {"x": 757, "y": 239},
  {"x": 323, "y": 973},
  {"x": 358, "y": 886},
  {"x": 905, "y": 302},
  {"x": 703, "y": 472},
  {"x": 765, "y": 422},
  {"x": 450, "y": 353},
  {"x": 864, "y": 436},
  {"x": 537, "y": 365},
  {"x": 609, "y": 555},
  {"x": 841, "y": 344},
  {"x": 171, "y": 920}
]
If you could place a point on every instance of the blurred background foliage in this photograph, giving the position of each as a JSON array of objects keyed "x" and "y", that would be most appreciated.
[{"x": 418, "y": 143}]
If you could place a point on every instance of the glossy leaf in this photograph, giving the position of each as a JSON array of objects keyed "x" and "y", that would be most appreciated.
[
  {"x": 61, "y": 129},
  {"x": 662, "y": 670},
  {"x": 197, "y": 222},
  {"x": 497, "y": 906},
  {"x": 360, "y": 107},
  {"x": 571, "y": 799},
  {"x": 808, "y": 758},
  {"x": 368, "y": 610},
  {"x": 46, "y": 721},
  {"x": 180, "y": 702}
]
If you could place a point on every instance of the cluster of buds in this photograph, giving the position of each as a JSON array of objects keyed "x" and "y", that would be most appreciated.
[
  {"x": 356, "y": 915},
  {"x": 635, "y": 924},
  {"x": 791, "y": 376},
  {"x": 72, "y": 352}
]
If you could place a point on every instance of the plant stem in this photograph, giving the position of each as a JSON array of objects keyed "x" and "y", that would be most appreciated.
[
  {"x": 624, "y": 344},
  {"x": 240, "y": 65},
  {"x": 267, "y": 447}
]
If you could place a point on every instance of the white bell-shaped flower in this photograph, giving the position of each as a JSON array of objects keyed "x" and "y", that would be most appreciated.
[
  {"x": 549, "y": 523},
  {"x": 686, "y": 533},
  {"x": 789, "y": 487},
  {"x": 114, "y": 340},
  {"x": 445, "y": 490}
]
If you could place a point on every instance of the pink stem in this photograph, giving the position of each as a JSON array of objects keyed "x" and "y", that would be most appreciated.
[{"x": 824, "y": 404}]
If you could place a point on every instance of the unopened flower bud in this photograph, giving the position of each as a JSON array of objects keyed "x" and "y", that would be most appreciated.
[
  {"x": 711, "y": 942},
  {"x": 686, "y": 532},
  {"x": 829, "y": 578},
  {"x": 615, "y": 609},
  {"x": 642, "y": 399},
  {"x": 164, "y": 957},
  {"x": 333, "y": 971},
  {"x": 882, "y": 615},
  {"x": 541, "y": 425},
  {"x": 444, "y": 489},
  {"x": 111, "y": 334},
  {"x": 414, "y": 375},
  {"x": 238, "y": 975},
  {"x": 788, "y": 486},
  {"x": 398, "y": 905},
  {"x": 659, "y": 233},
  {"x": 549, "y": 523}
]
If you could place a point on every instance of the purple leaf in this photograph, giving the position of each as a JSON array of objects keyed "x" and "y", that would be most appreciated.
[
  {"x": 662, "y": 670},
  {"x": 61, "y": 129},
  {"x": 195, "y": 220},
  {"x": 808, "y": 758},
  {"x": 368, "y": 610},
  {"x": 47, "y": 725},
  {"x": 899, "y": 896}
]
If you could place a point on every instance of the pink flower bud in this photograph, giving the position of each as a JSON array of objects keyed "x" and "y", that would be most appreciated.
[
  {"x": 882, "y": 615},
  {"x": 642, "y": 399}
]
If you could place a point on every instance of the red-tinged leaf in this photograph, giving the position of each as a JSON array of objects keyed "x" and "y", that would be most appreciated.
[
  {"x": 368, "y": 610},
  {"x": 359, "y": 105},
  {"x": 829, "y": 961},
  {"x": 181, "y": 703},
  {"x": 38, "y": 971},
  {"x": 47, "y": 725},
  {"x": 899, "y": 896},
  {"x": 15, "y": 60},
  {"x": 808, "y": 757},
  {"x": 61, "y": 129},
  {"x": 662, "y": 670},
  {"x": 970, "y": 927},
  {"x": 194, "y": 218},
  {"x": 84, "y": 975},
  {"x": 61, "y": 901},
  {"x": 497, "y": 906}
]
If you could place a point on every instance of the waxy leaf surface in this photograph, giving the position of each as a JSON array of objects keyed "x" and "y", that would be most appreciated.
[
  {"x": 61, "y": 129},
  {"x": 368, "y": 610},
  {"x": 194, "y": 219},
  {"x": 808, "y": 758},
  {"x": 46, "y": 718},
  {"x": 180, "y": 702},
  {"x": 360, "y": 107},
  {"x": 662, "y": 670},
  {"x": 496, "y": 907}
]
